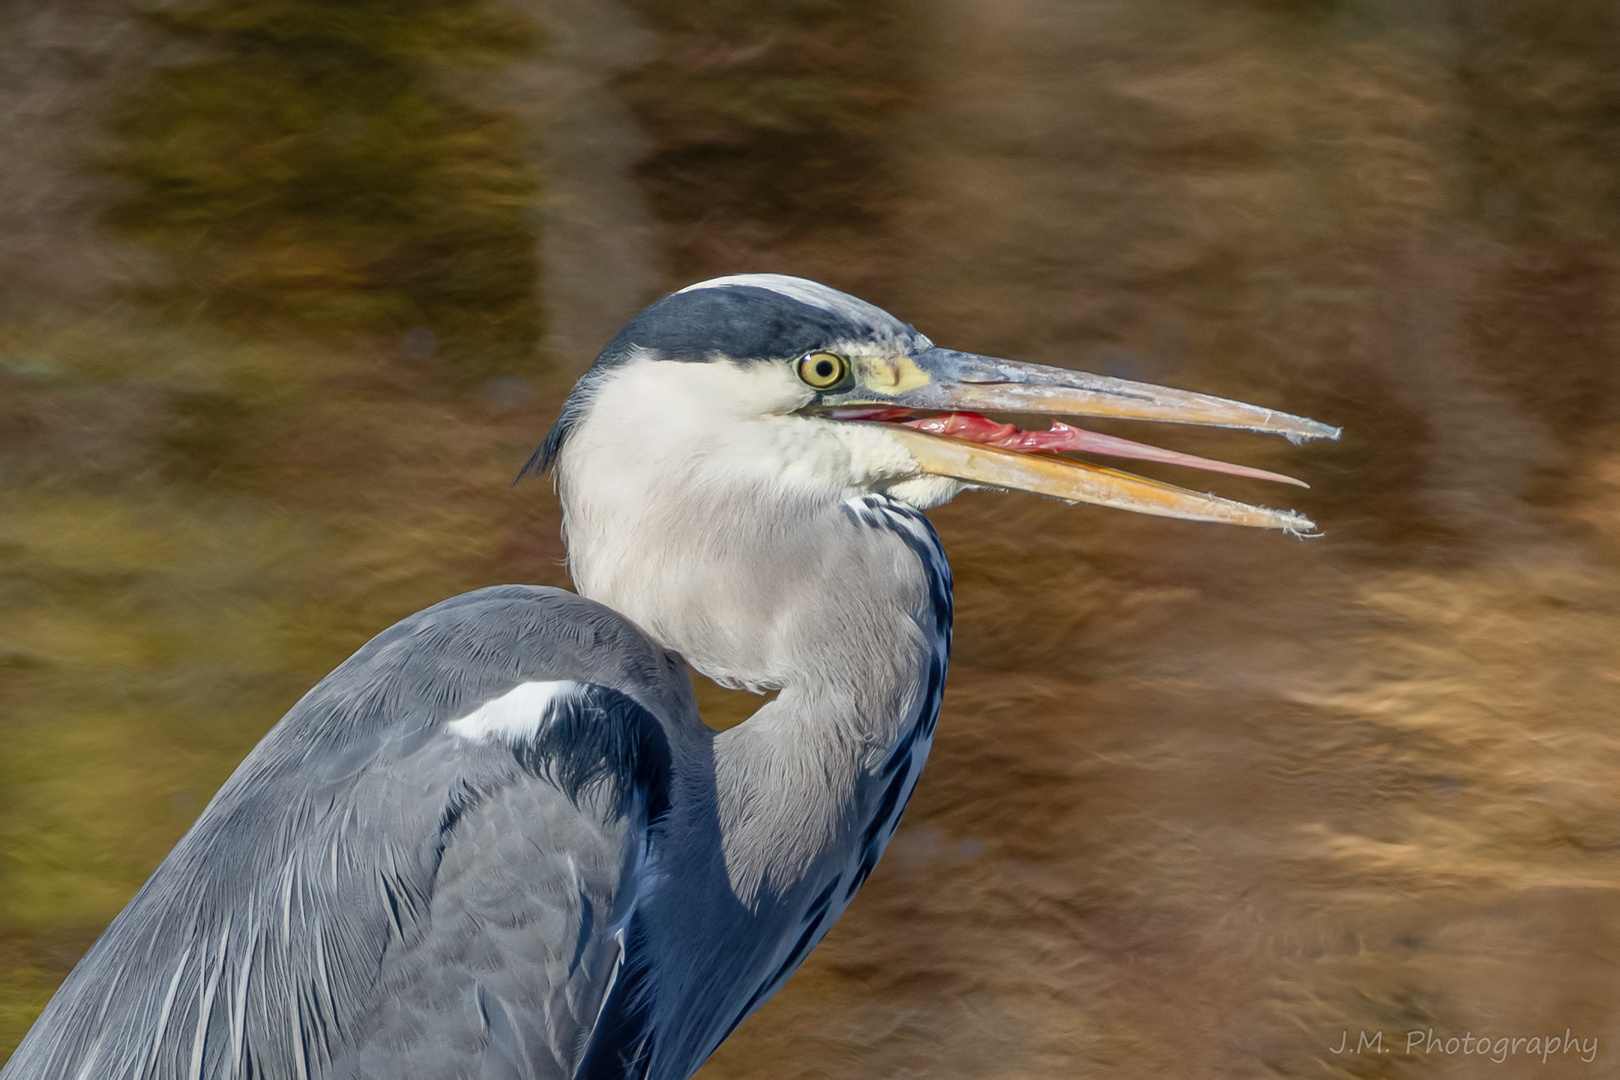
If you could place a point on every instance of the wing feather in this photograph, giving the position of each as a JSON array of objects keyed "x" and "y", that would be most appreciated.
[{"x": 437, "y": 905}]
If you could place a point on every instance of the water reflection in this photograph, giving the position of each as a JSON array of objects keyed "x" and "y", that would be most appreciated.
[
  {"x": 1202, "y": 800},
  {"x": 316, "y": 163},
  {"x": 772, "y": 125}
]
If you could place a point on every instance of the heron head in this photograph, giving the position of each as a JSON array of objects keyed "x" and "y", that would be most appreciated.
[
  {"x": 706, "y": 460},
  {"x": 764, "y": 382}
]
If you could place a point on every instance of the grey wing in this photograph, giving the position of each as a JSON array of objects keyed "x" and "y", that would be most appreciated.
[
  {"x": 532, "y": 902},
  {"x": 429, "y": 868}
]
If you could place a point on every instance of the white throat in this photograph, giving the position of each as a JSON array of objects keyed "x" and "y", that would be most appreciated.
[{"x": 698, "y": 505}]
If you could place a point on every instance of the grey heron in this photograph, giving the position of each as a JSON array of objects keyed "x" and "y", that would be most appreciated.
[{"x": 499, "y": 841}]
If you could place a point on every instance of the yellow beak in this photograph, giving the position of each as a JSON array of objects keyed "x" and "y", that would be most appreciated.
[{"x": 943, "y": 380}]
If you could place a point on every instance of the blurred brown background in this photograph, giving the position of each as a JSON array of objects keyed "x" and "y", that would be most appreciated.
[{"x": 290, "y": 288}]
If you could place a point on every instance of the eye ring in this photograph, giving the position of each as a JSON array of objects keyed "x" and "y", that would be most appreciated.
[{"x": 823, "y": 370}]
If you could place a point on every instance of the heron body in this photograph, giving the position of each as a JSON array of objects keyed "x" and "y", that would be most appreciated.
[{"x": 498, "y": 841}]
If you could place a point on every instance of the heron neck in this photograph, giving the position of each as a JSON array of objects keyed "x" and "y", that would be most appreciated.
[
  {"x": 844, "y": 606},
  {"x": 822, "y": 773}
]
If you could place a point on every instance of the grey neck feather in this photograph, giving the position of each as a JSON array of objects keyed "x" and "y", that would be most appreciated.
[{"x": 766, "y": 589}]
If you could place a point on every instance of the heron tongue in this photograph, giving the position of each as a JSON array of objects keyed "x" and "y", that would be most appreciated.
[{"x": 973, "y": 427}]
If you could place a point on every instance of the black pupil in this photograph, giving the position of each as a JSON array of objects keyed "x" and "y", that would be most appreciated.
[{"x": 824, "y": 368}]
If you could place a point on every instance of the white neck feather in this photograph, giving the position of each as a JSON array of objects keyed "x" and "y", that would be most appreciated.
[{"x": 698, "y": 507}]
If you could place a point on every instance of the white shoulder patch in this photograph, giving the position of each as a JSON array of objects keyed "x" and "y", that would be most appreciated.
[{"x": 515, "y": 715}]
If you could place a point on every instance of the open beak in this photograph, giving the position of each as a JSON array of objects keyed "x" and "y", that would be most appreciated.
[{"x": 967, "y": 446}]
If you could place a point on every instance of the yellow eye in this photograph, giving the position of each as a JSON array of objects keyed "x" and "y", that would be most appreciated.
[{"x": 823, "y": 369}]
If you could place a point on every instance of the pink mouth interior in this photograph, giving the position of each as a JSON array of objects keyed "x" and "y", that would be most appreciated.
[{"x": 973, "y": 427}]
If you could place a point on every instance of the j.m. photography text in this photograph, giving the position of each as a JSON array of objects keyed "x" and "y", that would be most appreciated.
[{"x": 1498, "y": 1049}]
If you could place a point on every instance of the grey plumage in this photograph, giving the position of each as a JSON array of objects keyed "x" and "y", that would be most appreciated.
[
  {"x": 498, "y": 842},
  {"x": 370, "y": 896},
  {"x": 364, "y": 876}
]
